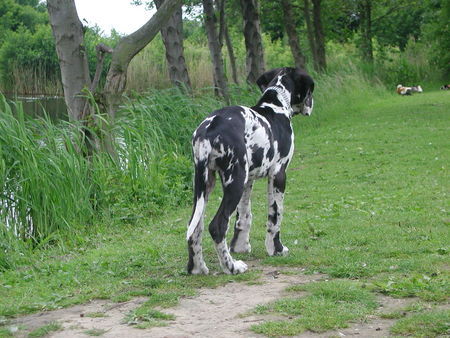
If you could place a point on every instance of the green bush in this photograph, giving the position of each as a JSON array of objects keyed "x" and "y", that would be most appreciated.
[{"x": 28, "y": 61}]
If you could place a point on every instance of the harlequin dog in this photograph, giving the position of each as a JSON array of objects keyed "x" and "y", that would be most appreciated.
[{"x": 242, "y": 144}]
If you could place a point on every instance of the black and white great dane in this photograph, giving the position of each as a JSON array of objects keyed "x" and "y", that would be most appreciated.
[{"x": 243, "y": 144}]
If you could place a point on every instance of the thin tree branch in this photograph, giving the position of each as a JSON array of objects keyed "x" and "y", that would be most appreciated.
[{"x": 390, "y": 11}]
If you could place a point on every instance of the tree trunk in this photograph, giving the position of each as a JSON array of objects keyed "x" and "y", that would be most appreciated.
[
  {"x": 172, "y": 35},
  {"x": 253, "y": 40},
  {"x": 294, "y": 43},
  {"x": 310, "y": 31},
  {"x": 231, "y": 55},
  {"x": 224, "y": 34},
  {"x": 319, "y": 35},
  {"x": 365, "y": 7},
  {"x": 215, "y": 50},
  {"x": 128, "y": 47},
  {"x": 68, "y": 32}
]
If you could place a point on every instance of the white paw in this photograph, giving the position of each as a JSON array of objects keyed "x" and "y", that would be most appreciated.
[
  {"x": 239, "y": 267},
  {"x": 283, "y": 252},
  {"x": 200, "y": 270}
]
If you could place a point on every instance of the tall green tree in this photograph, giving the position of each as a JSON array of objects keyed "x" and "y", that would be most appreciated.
[
  {"x": 215, "y": 49},
  {"x": 253, "y": 41},
  {"x": 365, "y": 9},
  {"x": 319, "y": 34},
  {"x": 291, "y": 30}
]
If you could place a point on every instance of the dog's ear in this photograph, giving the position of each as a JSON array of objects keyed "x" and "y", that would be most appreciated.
[
  {"x": 302, "y": 90},
  {"x": 264, "y": 80},
  {"x": 303, "y": 82}
]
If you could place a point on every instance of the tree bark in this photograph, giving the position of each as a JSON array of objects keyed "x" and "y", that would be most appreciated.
[
  {"x": 68, "y": 33},
  {"x": 294, "y": 43},
  {"x": 319, "y": 35},
  {"x": 253, "y": 40},
  {"x": 128, "y": 47},
  {"x": 365, "y": 7},
  {"x": 224, "y": 34},
  {"x": 310, "y": 31},
  {"x": 215, "y": 50},
  {"x": 231, "y": 56},
  {"x": 172, "y": 35}
]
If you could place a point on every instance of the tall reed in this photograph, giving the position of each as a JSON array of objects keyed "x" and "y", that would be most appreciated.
[
  {"x": 44, "y": 182},
  {"x": 49, "y": 191}
]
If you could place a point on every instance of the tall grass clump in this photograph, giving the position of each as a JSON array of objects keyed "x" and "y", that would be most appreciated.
[
  {"x": 409, "y": 67},
  {"x": 154, "y": 132},
  {"x": 44, "y": 181},
  {"x": 51, "y": 193}
]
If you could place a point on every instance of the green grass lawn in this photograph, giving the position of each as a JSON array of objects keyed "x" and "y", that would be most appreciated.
[{"x": 366, "y": 203}]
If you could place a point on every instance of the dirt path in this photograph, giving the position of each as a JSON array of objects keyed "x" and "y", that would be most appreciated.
[{"x": 213, "y": 313}]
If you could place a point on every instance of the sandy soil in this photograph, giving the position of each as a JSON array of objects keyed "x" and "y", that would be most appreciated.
[{"x": 213, "y": 313}]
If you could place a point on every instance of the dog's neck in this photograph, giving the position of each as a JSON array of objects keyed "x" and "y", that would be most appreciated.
[{"x": 282, "y": 104}]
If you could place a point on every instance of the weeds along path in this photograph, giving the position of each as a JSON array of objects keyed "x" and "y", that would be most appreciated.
[{"x": 218, "y": 312}]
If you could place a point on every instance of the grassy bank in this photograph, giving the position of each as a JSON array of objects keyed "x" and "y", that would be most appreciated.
[{"x": 366, "y": 201}]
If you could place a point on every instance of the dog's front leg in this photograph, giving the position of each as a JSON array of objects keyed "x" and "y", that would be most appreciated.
[
  {"x": 241, "y": 242},
  {"x": 276, "y": 187}
]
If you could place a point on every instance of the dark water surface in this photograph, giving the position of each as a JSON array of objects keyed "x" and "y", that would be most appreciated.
[{"x": 37, "y": 106}]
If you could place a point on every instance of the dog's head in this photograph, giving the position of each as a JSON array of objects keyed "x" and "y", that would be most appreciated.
[{"x": 295, "y": 82}]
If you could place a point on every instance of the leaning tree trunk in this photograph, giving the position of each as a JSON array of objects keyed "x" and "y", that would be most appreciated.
[
  {"x": 253, "y": 40},
  {"x": 365, "y": 7},
  {"x": 310, "y": 31},
  {"x": 128, "y": 47},
  {"x": 291, "y": 31},
  {"x": 68, "y": 32},
  {"x": 215, "y": 50},
  {"x": 172, "y": 35},
  {"x": 319, "y": 35}
]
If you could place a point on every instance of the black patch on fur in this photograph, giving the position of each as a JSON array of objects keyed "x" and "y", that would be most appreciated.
[
  {"x": 273, "y": 217},
  {"x": 235, "y": 238},
  {"x": 277, "y": 243},
  {"x": 190, "y": 265},
  {"x": 257, "y": 157}
]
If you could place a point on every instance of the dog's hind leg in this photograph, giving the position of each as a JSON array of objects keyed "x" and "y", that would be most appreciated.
[
  {"x": 233, "y": 183},
  {"x": 204, "y": 183},
  {"x": 277, "y": 184},
  {"x": 240, "y": 242}
]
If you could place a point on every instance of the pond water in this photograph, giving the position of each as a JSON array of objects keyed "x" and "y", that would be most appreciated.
[{"x": 37, "y": 106}]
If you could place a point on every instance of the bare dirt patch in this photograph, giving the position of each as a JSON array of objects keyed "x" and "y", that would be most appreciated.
[{"x": 219, "y": 312}]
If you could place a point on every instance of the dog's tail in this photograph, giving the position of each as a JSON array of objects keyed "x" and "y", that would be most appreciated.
[{"x": 203, "y": 182}]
